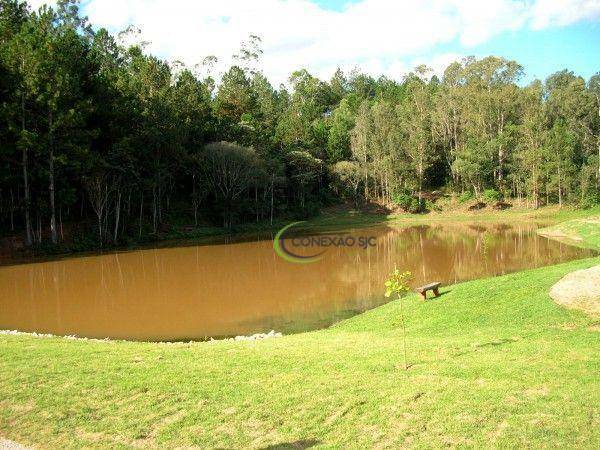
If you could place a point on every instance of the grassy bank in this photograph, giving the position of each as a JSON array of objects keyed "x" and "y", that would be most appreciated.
[
  {"x": 494, "y": 363},
  {"x": 550, "y": 214},
  {"x": 583, "y": 232}
]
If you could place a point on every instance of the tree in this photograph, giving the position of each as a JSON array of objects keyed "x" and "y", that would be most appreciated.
[
  {"x": 416, "y": 125},
  {"x": 14, "y": 57},
  {"x": 560, "y": 143},
  {"x": 397, "y": 283},
  {"x": 229, "y": 170},
  {"x": 96, "y": 131},
  {"x": 360, "y": 141},
  {"x": 338, "y": 141},
  {"x": 388, "y": 161},
  {"x": 348, "y": 176},
  {"x": 530, "y": 158},
  {"x": 304, "y": 172},
  {"x": 448, "y": 117}
]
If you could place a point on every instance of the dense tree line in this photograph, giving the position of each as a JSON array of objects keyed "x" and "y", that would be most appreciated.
[{"x": 99, "y": 133}]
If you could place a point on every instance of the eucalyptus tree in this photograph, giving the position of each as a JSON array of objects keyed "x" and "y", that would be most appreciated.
[
  {"x": 594, "y": 125},
  {"x": 338, "y": 139},
  {"x": 561, "y": 145},
  {"x": 387, "y": 152},
  {"x": 530, "y": 160},
  {"x": 448, "y": 117},
  {"x": 415, "y": 123},
  {"x": 490, "y": 91},
  {"x": 573, "y": 104}
]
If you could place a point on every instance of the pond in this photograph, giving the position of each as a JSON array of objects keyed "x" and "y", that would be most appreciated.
[{"x": 227, "y": 289}]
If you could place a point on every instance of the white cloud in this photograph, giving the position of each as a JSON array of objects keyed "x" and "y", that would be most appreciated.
[
  {"x": 379, "y": 36},
  {"x": 547, "y": 13},
  {"x": 35, "y": 4},
  {"x": 438, "y": 63}
]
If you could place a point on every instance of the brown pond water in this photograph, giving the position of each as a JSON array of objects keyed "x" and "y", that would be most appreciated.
[{"x": 221, "y": 290}]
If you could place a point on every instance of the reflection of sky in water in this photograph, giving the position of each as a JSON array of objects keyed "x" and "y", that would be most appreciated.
[{"x": 244, "y": 287}]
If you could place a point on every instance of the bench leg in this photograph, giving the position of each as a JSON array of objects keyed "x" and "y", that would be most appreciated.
[
  {"x": 436, "y": 292},
  {"x": 424, "y": 294}
]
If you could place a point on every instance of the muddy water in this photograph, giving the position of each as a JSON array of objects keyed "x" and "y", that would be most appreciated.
[{"x": 243, "y": 288}]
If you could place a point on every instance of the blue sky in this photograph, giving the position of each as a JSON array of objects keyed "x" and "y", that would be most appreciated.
[
  {"x": 378, "y": 37},
  {"x": 334, "y": 5},
  {"x": 542, "y": 52}
]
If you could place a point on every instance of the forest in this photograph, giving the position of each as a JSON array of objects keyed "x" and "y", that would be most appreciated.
[{"x": 102, "y": 143}]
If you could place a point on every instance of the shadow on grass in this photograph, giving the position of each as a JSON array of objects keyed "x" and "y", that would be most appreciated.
[
  {"x": 494, "y": 343},
  {"x": 441, "y": 294},
  {"x": 497, "y": 342},
  {"x": 297, "y": 445}
]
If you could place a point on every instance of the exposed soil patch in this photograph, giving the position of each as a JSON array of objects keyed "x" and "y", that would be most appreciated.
[
  {"x": 5, "y": 444},
  {"x": 579, "y": 290}
]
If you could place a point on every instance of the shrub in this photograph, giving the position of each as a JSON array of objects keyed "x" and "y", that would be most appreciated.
[
  {"x": 431, "y": 206},
  {"x": 465, "y": 197},
  {"x": 491, "y": 195},
  {"x": 591, "y": 200},
  {"x": 415, "y": 206},
  {"x": 403, "y": 200}
]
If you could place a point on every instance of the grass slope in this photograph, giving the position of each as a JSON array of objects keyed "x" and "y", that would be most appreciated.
[
  {"x": 583, "y": 232},
  {"x": 347, "y": 217},
  {"x": 495, "y": 363}
]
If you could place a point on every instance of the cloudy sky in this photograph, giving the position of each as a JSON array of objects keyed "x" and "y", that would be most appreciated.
[{"x": 379, "y": 36}]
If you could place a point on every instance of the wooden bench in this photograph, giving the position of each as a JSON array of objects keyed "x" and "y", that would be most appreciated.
[{"x": 429, "y": 287}]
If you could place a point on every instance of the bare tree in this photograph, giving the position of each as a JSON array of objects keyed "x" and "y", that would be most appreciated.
[{"x": 229, "y": 170}]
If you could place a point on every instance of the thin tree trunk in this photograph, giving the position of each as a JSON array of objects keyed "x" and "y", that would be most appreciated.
[
  {"x": 141, "y": 213},
  {"x": 12, "y": 211},
  {"x": 403, "y": 332},
  {"x": 62, "y": 235},
  {"x": 51, "y": 186},
  {"x": 159, "y": 201},
  {"x": 559, "y": 187},
  {"x": 272, "y": 194},
  {"x": 28, "y": 237},
  {"x": 39, "y": 227},
  {"x": 366, "y": 179},
  {"x": 100, "y": 228},
  {"x": 154, "y": 212},
  {"x": 195, "y": 200},
  {"x": 117, "y": 216}
]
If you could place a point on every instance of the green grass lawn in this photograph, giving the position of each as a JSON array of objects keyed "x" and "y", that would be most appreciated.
[
  {"x": 494, "y": 363},
  {"x": 584, "y": 232},
  {"x": 551, "y": 214}
]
